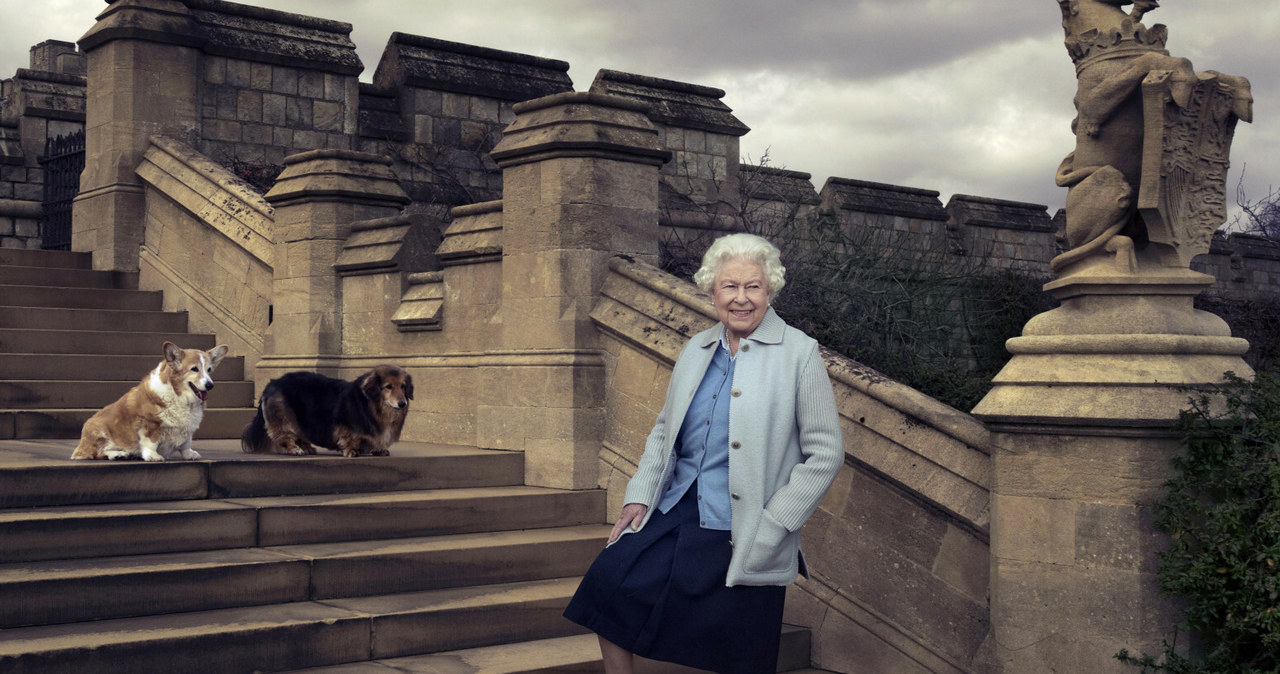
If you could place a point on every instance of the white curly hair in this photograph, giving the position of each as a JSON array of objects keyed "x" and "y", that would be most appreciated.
[{"x": 747, "y": 247}]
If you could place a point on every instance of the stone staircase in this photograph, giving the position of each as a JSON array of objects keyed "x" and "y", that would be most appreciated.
[
  {"x": 434, "y": 559},
  {"x": 73, "y": 339}
]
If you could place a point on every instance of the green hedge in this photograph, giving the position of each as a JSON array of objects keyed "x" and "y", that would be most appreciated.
[{"x": 1222, "y": 515}]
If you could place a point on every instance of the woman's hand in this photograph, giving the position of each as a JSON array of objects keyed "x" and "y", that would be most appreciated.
[{"x": 632, "y": 515}]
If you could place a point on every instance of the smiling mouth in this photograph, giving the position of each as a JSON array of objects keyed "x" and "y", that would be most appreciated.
[{"x": 202, "y": 395}]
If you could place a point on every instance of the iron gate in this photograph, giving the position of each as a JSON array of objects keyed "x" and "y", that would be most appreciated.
[{"x": 63, "y": 161}]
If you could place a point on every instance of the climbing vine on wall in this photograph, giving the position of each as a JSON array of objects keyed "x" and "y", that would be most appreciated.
[{"x": 1222, "y": 515}]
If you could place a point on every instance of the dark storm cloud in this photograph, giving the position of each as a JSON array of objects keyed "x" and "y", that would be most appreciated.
[{"x": 843, "y": 40}]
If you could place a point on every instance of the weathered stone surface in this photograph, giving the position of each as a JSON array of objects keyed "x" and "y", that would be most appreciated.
[
  {"x": 402, "y": 243},
  {"x": 1076, "y": 614},
  {"x": 274, "y": 37},
  {"x": 124, "y": 107},
  {"x": 439, "y": 65},
  {"x": 581, "y": 124},
  {"x": 422, "y": 304},
  {"x": 782, "y": 195},
  {"x": 332, "y": 173},
  {"x": 673, "y": 103},
  {"x": 211, "y": 193},
  {"x": 869, "y": 197},
  {"x": 317, "y": 199},
  {"x": 1006, "y": 235}
]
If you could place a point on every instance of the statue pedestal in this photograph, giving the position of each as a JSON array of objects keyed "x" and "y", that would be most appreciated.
[
  {"x": 1121, "y": 348},
  {"x": 1081, "y": 420}
]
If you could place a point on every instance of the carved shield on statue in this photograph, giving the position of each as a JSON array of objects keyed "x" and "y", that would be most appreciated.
[{"x": 1185, "y": 155}]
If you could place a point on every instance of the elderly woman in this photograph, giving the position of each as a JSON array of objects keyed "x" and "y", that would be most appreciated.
[{"x": 746, "y": 445}]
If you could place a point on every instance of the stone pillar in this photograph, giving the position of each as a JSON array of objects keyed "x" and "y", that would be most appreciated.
[
  {"x": 143, "y": 64},
  {"x": 1081, "y": 421},
  {"x": 317, "y": 198},
  {"x": 580, "y": 184}
]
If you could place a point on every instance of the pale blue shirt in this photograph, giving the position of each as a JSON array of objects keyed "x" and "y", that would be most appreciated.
[{"x": 702, "y": 448}]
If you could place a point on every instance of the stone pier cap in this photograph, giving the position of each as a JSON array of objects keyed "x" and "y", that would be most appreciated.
[
  {"x": 337, "y": 174},
  {"x": 581, "y": 124}
]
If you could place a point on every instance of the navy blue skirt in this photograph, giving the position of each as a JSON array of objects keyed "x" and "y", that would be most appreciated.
[{"x": 660, "y": 593}]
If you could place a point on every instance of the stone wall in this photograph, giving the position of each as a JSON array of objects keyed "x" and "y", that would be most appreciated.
[
  {"x": 438, "y": 107},
  {"x": 898, "y": 549},
  {"x": 1006, "y": 235},
  {"x": 1245, "y": 265},
  {"x": 272, "y": 84},
  {"x": 275, "y": 84},
  {"x": 700, "y": 190},
  {"x": 39, "y": 103}
]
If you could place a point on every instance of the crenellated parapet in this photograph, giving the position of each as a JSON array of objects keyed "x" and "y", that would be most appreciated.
[
  {"x": 1245, "y": 266},
  {"x": 701, "y": 185},
  {"x": 439, "y": 107},
  {"x": 1007, "y": 235}
]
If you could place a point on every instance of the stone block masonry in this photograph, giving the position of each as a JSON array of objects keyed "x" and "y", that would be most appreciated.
[
  {"x": 274, "y": 84},
  {"x": 39, "y": 103},
  {"x": 438, "y": 108}
]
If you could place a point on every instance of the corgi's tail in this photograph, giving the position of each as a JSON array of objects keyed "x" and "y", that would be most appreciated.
[{"x": 254, "y": 438}]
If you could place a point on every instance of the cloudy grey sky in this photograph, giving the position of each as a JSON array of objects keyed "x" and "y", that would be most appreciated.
[{"x": 959, "y": 96}]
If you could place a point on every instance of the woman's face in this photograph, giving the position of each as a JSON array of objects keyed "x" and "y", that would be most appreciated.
[{"x": 741, "y": 297}]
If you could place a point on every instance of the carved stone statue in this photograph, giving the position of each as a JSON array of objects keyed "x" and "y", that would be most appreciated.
[
  {"x": 1080, "y": 415},
  {"x": 1147, "y": 176}
]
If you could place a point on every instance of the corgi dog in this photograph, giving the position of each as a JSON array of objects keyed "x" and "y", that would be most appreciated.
[{"x": 156, "y": 418}]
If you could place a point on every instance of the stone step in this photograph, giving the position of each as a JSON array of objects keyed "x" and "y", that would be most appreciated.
[
  {"x": 102, "y": 367},
  {"x": 45, "y": 258},
  {"x": 33, "y": 394},
  {"x": 577, "y": 653},
  {"x": 18, "y": 424},
  {"x": 73, "y": 532},
  {"x": 58, "y": 342},
  {"x": 92, "y": 319},
  {"x": 38, "y": 473},
  {"x": 77, "y": 590},
  {"x": 293, "y": 635},
  {"x": 363, "y": 568},
  {"x": 67, "y": 277},
  {"x": 78, "y": 298},
  {"x": 467, "y": 617}
]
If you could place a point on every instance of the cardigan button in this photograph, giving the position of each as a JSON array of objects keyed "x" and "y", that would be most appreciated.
[
  {"x": 737, "y": 393},
  {"x": 735, "y": 497},
  {"x": 735, "y": 444},
  {"x": 746, "y": 347}
]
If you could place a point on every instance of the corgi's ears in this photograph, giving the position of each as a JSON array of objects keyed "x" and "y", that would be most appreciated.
[
  {"x": 172, "y": 355},
  {"x": 215, "y": 356}
]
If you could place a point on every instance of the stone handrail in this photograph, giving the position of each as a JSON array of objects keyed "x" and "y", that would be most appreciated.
[{"x": 208, "y": 245}]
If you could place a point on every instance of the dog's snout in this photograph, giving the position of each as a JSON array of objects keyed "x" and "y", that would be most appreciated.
[
  {"x": 401, "y": 404},
  {"x": 209, "y": 386}
]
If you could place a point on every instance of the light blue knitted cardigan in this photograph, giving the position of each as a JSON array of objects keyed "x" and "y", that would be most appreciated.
[{"x": 785, "y": 446}]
